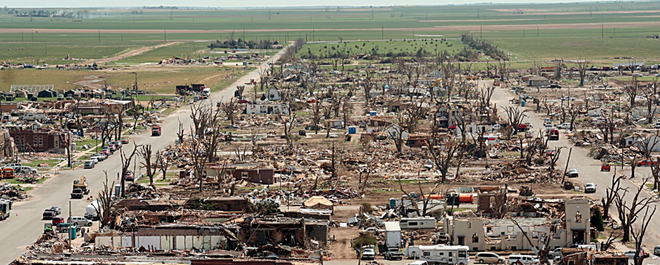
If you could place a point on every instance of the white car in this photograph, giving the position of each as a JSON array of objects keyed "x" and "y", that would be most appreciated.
[
  {"x": 489, "y": 257},
  {"x": 573, "y": 173},
  {"x": 590, "y": 188},
  {"x": 564, "y": 126},
  {"x": 630, "y": 254},
  {"x": 371, "y": 230}
]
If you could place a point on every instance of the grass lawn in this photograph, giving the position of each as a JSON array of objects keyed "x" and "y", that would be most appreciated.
[
  {"x": 90, "y": 142},
  {"x": 50, "y": 162},
  {"x": 15, "y": 181}
]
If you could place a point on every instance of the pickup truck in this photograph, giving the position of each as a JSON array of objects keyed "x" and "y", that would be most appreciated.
[
  {"x": 368, "y": 253},
  {"x": 393, "y": 254},
  {"x": 77, "y": 193}
]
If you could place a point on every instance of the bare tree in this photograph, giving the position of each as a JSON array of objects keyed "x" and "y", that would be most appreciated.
[
  {"x": 125, "y": 164},
  {"x": 582, "y": 70},
  {"x": 180, "y": 134},
  {"x": 647, "y": 142},
  {"x": 415, "y": 112},
  {"x": 611, "y": 193},
  {"x": 629, "y": 212},
  {"x": 639, "y": 233},
  {"x": 423, "y": 196},
  {"x": 147, "y": 162},
  {"x": 631, "y": 90},
  {"x": 104, "y": 202},
  {"x": 316, "y": 116},
  {"x": 230, "y": 107},
  {"x": 161, "y": 163},
  {"x": 288, "y": 121},
  {"x": 515, "y": 116},
  {"x": 442, "y": 151}
]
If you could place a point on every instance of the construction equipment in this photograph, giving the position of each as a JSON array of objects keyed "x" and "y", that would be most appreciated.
[
  {"x": 526, "y": 191},
  {"x": 81, "y": 184}
]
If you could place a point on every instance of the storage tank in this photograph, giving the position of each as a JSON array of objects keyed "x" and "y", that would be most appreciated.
[
  {"x": 90, "y": 211},
  {"x": 466, "y": 198}
]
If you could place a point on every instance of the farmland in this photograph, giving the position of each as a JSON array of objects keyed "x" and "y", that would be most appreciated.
[{"x": 528, "y": 32}]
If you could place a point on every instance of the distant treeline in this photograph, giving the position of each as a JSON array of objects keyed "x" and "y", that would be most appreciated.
[
  {"x": 242, "y": 44},
  {"x": 50, "y": 13},
  {"x": 485, "y": 47},
  {"x": 160, "y": 7}
]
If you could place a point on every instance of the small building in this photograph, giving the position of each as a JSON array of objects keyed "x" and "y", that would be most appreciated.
[
  {"x": 537, "y": 81},
  {"x": 337, "y": 124},
  {"x": 266, "y": 109},
  {"x": 273, "y": 94},
  {"x": 417, "y": 139},
  {"x": 318, "y": 202},
  {"x": 40, "y": 140}
]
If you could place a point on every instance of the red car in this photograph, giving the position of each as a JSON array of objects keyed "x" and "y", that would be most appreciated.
[
  {"x": 243, "y": 101},
  {"x": 646, "y": 163},
  {"x": 57, "y": 220}
]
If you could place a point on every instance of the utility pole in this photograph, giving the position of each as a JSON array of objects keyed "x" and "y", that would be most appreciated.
[
  {"x": 99, "y": 36},
  {"x": 22, "y": 36},
  {"x": 382, "y": 32},
  {"x": 70, "y": 225},
  {"x": 567, "y": 160},
  {"x": 537, "y": 31},
  {"x": 481, "y": 30},
  {"x": 165, "y": 34}
]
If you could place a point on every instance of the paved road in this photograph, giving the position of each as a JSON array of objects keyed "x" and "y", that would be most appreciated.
[
  {"x": 588, "y": 168},
  {"x": 25, "y": 225}
]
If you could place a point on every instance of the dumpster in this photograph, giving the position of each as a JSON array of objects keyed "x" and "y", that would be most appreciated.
[
  {"x": 522, "y": 103},
  {"x": 352, "y": 130},
  {"x": 73, "y": 230}
]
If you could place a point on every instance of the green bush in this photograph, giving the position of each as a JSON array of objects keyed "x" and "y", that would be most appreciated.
[{"x": 597, "y": 219}]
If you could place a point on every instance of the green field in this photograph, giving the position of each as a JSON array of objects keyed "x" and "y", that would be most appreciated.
[{"x": 529, "y": 32}]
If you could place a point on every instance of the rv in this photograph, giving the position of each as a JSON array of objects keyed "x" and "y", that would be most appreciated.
[
  {"x": 418, "y": 223},
  {"x": 440, "y": 254}
]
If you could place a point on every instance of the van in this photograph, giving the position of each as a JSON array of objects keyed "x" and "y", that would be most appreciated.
[
  {"x": 79, "y": 220},
  {"x": 488, "y": 257},
  {"x": 419, "y": 262},
  {"x": 524, "y": 259}
]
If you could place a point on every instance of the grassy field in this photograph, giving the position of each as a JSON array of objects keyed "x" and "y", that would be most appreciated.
[{"x": 532, "y": 32}]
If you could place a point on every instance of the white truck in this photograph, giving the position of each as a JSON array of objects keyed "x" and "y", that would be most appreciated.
[{"x": 392, "y": 235}]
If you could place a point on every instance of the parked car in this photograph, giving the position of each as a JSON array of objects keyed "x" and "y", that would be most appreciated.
[
  {"x": 48, "y": 214},
  {"x": 646, "y": 163},
  {"x": 77, "y": 193},
  {"x": 656, "y": 250},
  {"x": 393, "y": 254},
  {"x": 555, "y": 253},
  {"x": 488, "y": 257},
  {"x": 94, "y": 159},
  {"x": 129, "y": 176},
  {"x": 590, "y": 188},
  {"x": 371, "y": 230},
  {"x": 57, "y": 220},
  {"x": 79, "y": 220},
  {"x": 56, "y": 209},
  {"x": 631, "y": 253},
  {"x": 112, "y": 147},
  {"x": 124, "y": 140},
  {"x": 564, "y": 126},
  {"x": 25, "y": 169},
  {"x": 117, "y": 144},
  {"x": 573, "y": 173},
  {"x": 524, "y": 259},
  {"x": 368, "y": 253},
  {"x": 89, "y": 164},
  {"x": 100, "y": 156}
]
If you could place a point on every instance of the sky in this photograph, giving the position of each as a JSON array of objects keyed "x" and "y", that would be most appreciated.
[{"x": 259, "y": 3}]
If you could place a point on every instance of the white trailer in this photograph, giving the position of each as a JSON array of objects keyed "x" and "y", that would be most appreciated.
[
  {"x": 440, "y": 254},
  {"x": 392, "y": 235}
]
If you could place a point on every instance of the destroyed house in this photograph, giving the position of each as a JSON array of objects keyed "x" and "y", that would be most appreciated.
[
  {"x": 417, "y": 139},
  {"x": 146, "y": 205},
  {"x": 285, "y": 231},
  {"x": 174, "y": 237},
  {"x": 252, "y": 172},
  {"x": 39, "y": 140},
  {"x": 481, "y": 234},
  {"x": 230, "y": 204}
]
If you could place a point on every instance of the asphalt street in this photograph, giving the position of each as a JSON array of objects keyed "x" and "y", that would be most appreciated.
[
  {"x": 25, "y": 225},
  {"x": 588, "y": 167}
]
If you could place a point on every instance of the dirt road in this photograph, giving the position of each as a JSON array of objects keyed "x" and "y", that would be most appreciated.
[{"x": 130, "y": 53}]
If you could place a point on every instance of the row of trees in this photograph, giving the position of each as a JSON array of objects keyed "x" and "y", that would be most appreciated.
[{"x": 231, "y": 43}]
